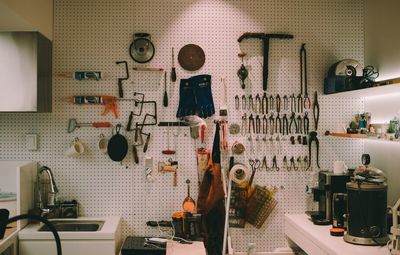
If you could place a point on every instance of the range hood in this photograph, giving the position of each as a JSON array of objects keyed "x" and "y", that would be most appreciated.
[{"x": 25, "y": 72}]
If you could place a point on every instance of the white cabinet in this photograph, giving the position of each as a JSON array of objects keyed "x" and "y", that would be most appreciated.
[{"x": 25, "y": 72}]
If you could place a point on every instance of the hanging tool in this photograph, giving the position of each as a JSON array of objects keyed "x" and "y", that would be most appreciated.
[
  {"x": 255, "y": 165},
  {"x": 242, "y": 72},
  {"x": 129, "y": 125},
  {"x": 251, "y": 103},
  {"x": 258, "y": 104},
  {"x": 168, "y": 151},
  {"x": 285, "y": 103},
  {"x": 165, "y": 98},
  {"x": 265, "y": 125},
  {"x": 146, "y": 144},
  {"x": 120, "y": 89},
  {"x": 274, "y": 164},
  {"x": 265, "y": 38},
  {"x": 293, "y": 103},
  {"x": 306, "y": 124},
  {"x": 109, "y": 102},
  {"x": 316, "y": 110},
  {"x": 244, "y": 124},
  {"x": 73, "y": 124},
  {"x": 141, "y": 49},
  {"x": 293, "y": 165},
  {"x": 188, "y": 205},
  {"x": 251, "y": 124},
  {"x": 271, "y": 102},
  {"x": 265, "y": 165},
  {"x": 173, "y": 71},
  {"x": 151, "y": 69},
  {"x": 278, "y": 103},
  {"x": 237, "y": 103},
  {"x": 313, "y": 138},
  {"x": 285, "y": 163},
  {"x": 278, "y": 121},
  {"x": 285, "y": 125},
  {"x": 264, "y": 103},
  {"x": 244, "y": 103},
  {"x": 299, "y": 124},
  {"x": 299, "y": 103},
  {"x": 223, "y": 109},
  {"x": 293, "y": 121},
  {"x": 271, "y": 124},
  {"x": 258, "y": 126},
  {"x": 303, "y": 76}
]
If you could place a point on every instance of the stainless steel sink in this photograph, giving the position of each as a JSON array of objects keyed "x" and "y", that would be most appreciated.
[{"x": 75, "y": 226}]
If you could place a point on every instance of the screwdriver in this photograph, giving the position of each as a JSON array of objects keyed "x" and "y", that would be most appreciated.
[{"x": 173, "y": 72}]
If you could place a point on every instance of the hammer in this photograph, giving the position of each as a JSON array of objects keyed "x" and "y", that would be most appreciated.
[{"x": 265, "y": 38}]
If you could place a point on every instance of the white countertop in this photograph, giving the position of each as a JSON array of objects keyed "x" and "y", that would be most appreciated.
[
  {"x": 316, "y": 240},
  {"x": 175, "y": 248},
  {"x": 108, "y": 231}
]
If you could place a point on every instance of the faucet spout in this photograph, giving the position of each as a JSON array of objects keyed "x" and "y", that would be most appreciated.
[{"x": 53, "y": 186}]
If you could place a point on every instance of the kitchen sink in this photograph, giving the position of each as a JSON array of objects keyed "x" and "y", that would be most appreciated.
[{"x": 75, "y": 226}]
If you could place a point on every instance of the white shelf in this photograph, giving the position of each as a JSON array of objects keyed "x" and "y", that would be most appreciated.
[{"x": 368, "y": 92}]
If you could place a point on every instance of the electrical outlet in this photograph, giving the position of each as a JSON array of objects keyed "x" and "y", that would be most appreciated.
[{"x": 31, "y": 142}]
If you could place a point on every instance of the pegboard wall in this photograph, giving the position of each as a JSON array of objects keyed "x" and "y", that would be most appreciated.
[{"x": 93, "y": 35}]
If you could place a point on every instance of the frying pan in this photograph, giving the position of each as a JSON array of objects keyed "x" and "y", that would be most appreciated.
[
  {"x": 141, "y": 49},
  {"x": 117, "y": 147},
  {"x": 189, "y": 205}
]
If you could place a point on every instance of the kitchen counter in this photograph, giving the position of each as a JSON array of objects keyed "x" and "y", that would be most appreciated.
[
  {"x": 316, "y": 240},
  {"x": 108, "y": 231},
  {"x": 9, "y": 238},
  {"x": 175, "y": 248}
]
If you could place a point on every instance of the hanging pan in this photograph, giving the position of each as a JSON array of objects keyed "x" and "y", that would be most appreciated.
[
  {"x": 141, "y": 49},
  {"x": 117, "y": 147}
]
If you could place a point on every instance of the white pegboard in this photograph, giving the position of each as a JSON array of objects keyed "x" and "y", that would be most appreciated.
[{"x": 93, "y": 35}]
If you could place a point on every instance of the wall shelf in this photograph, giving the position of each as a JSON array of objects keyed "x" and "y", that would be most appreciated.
[
  {"x": 384, "y": 88},
  {"x": 348, "y": 135}
]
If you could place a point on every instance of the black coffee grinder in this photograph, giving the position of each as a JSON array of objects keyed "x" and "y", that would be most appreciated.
[{"x": 330, "y": 186}]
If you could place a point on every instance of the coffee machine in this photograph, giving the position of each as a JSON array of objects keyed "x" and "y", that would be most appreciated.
[{"x": 331, "y": 187}]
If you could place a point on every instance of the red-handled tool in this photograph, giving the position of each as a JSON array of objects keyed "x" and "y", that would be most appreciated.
[{"x": 73, "y": 124}]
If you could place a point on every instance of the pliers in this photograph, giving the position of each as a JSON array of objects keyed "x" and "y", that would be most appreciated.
[
  {"x": 265, "y": 125},
  {"x": 278, "y": 121},
  {"x": 278, "y": 103},
  {"x": 251, "y": 124},
  {"x": 316, "y": 110},
  {"x": 293, "y": 103},
  {"x": 306, "y": 123},
  {"x": 293, "y": 121},
  {"x": 299, "y": 103},
  {"x": 244, "y": 103},
  {"x": 251, "y": 103},
  {"x": 313, "y": 138},
  {"x": 264, "y": 103},
  {"x": 285, "y": 103},
  {"x": 244, "y": 124},
  {"x": 292, "y": 165},
  {"x": 258, "y": 104},
  {"x": 271, "y": 102},
  {"x": 299, "y": 124},
  {"x": 285, "y": 125},
  {"x": 271, "y": 124}
]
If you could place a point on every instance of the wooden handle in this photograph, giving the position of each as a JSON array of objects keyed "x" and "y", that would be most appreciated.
[{"x": 101, "y": 124}]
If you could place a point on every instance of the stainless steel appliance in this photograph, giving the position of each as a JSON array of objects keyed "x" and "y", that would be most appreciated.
[
  {"x": 329, "y": 183},
  {"x": 367, "y": 203}
]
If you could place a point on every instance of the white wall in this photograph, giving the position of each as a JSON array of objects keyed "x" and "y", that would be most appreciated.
[{"x": 382, "y": 48}]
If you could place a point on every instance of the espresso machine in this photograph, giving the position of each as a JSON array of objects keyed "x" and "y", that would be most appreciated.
[{"x": 330, "y": 194}]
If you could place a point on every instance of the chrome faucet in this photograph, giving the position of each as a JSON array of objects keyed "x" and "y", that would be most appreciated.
[{"x": 48, "y": 206}]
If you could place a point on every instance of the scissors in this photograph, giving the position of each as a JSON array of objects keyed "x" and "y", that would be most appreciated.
[{"x": 255, "y": 165}]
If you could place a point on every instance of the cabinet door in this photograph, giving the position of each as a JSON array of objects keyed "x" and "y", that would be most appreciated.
[{"x": 18, "y": 72}]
